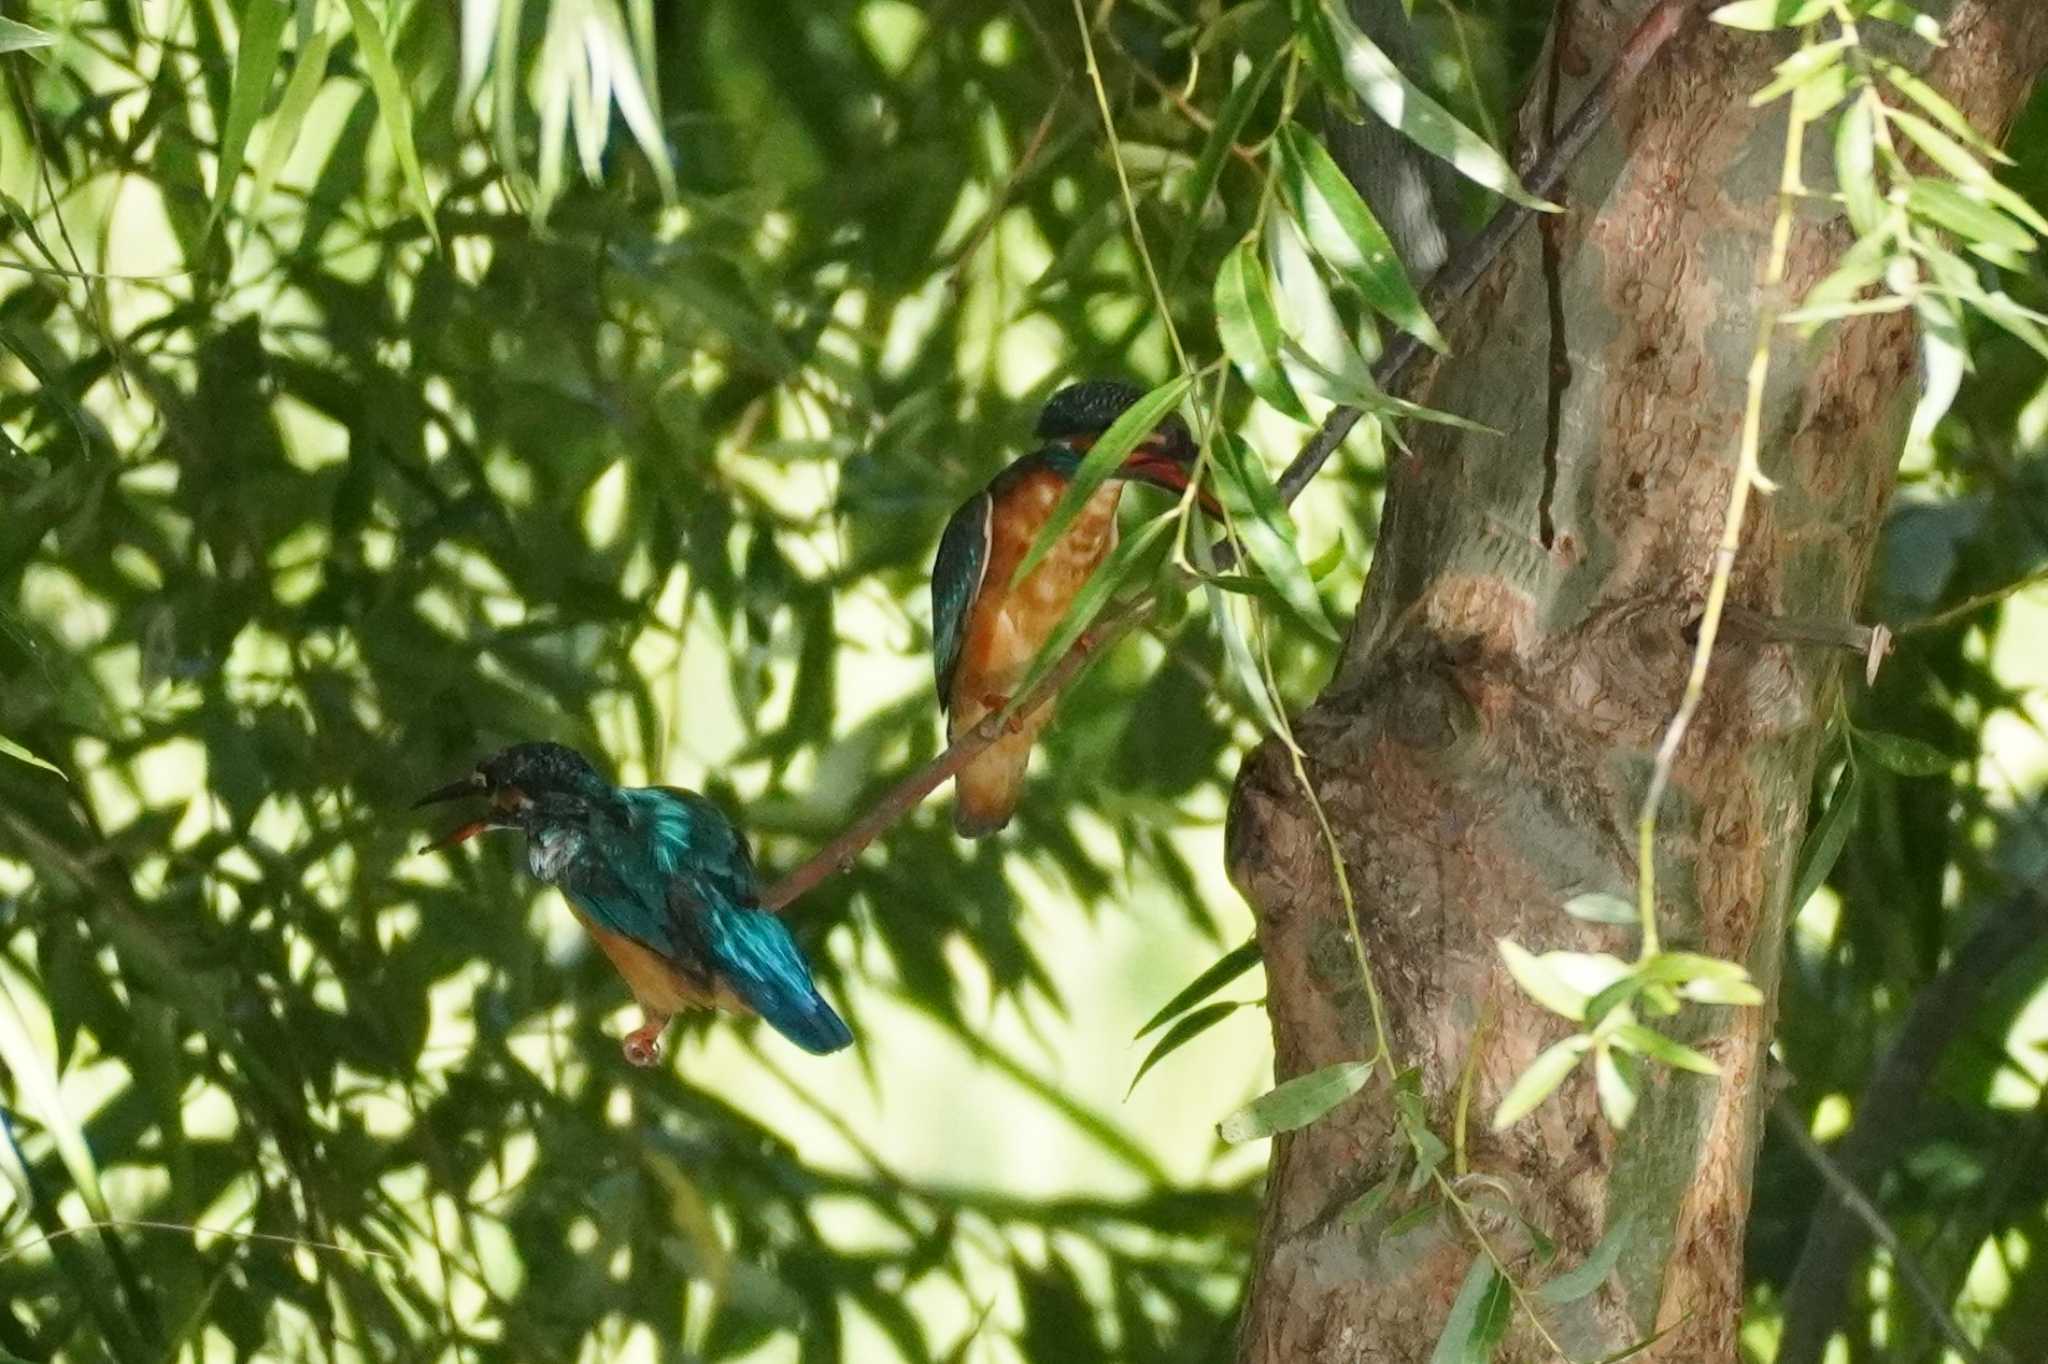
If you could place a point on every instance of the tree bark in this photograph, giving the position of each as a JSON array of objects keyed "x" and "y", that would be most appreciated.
[{"x": 1484, "y": 745}]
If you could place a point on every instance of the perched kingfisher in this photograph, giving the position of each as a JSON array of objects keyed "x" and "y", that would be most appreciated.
[
  {"x": 984, "y": 632},
  {"x": 664, "y": 883}
]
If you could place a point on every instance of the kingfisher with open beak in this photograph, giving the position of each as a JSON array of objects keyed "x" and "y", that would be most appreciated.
[
  {"x": 665, "y": 884},
  {"x": 985, "y": 632}
]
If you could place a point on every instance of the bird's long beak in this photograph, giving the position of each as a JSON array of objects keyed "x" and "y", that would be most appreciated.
[
  {"x": 1148, "y": 464},
  {"x": 471, "y": 785}
]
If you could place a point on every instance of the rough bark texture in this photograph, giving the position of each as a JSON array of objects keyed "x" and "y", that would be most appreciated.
[{"x": 1485, "y": 743}]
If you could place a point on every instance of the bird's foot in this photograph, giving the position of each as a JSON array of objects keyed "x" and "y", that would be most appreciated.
[
  {"x": 642, "y": 1046},
  {"x": 995, "y": 703}
]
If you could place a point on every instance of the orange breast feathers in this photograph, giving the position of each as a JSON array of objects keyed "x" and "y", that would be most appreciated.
[
  {"x": 1006, "y": 627},
  {"x": 656, "y": 984}
]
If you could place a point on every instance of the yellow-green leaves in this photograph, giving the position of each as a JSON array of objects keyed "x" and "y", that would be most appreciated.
[
  {"x": 308, "y": 76},
  {"x": 1297, "y": 1103},
  {"x": 13, "y": 750},
  {"x": 394, "y": 107},
  {"x": 1478, "y": 1318},
  {"x": 1264, "y": 528},
  {"x": 16, "y": 37},
  {"x": 1408, "y": 108},
  {"x": 1761, "y": 16},
  {"x": 1249, "y": 327},
  {"x": 256, "y": 52},
  {"x": 1347, "y": 236}
]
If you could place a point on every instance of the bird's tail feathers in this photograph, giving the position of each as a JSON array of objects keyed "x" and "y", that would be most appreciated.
[{"x": 764, "y": 967}]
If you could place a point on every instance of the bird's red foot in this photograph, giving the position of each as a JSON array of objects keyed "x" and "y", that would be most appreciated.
[
  {"x": 994, "y": 704},
  {"x": 643, "y": 1045}
]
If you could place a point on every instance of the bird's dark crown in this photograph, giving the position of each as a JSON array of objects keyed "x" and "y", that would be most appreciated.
[
  {"x": 1083, "y": 411},
  {"x": 538, "y": 768}
]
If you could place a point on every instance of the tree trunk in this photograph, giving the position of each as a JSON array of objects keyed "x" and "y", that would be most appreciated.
[{"x": 1484, "y": 746}]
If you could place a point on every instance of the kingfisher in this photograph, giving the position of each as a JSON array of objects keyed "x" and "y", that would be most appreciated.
[
  {"x": 985, "y": 632},
  {"x": 665, "y": 884}
]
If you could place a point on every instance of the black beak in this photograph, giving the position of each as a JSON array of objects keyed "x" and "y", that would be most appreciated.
[{"x": 471, "y": 785}]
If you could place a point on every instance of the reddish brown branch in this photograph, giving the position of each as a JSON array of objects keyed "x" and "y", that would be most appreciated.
[{"x": 1459, "y": 275}]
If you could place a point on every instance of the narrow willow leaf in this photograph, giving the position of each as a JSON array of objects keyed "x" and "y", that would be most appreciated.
[
  {"x": 1937, "y": 107},
  {"x": 1615, "y": 1082},
  {"x": 1102, "y": 460},
  {"x": 1535, "y": 1084},
  {"x": 1541, "y": 983},
  {"x": 1246, "y": 668},
  {"x": 1944, "y": 359},
  {"x": 1856, "y": 165},
  {"x": 636, "y": 103},
  {"x": 15, "y": 37},
  {"x": 1824, "y": 841},
  {"x": 1310, "y": 375},
  {"x": 1310, "y": 313},
  {"x": 1925, "y": 26},
  {"x": 13, "y": 750},
  {"x": 1973, "y": 220},
  {"x": 256, "y": 51},
  {"x": 1907, "y": 757},
  {"x": 1817, "y": 97},
  {"x": 1249, "y": 327},
  {"x": 308, "y": 76},
  {"x": 393, "y": 108},
  {"x": 505, "y": 83},
  {"x": 1739, "y": 992},
  {"x": 1344, "y": 233},
  {"x": 1318, "y": 46},
  {"x": 1799, "y": 68},
  {"x": 1952, "y": 157},
  {"x": 1230, "y": 120},
  {"x": 1218, "y": 974},
  {"x": 1574, "y": 1284},
  {"x": 1599, "y": 907},
  {"x": 1655, "y": 1045},
  {"x": 1761, "y": 16},
  {"x": 1361, "y": 1208},
  {"x": 1668, "y": 968},
  {"x": 1613, "y": 997},
  {"x": 479, "y": 34},
  {"x": 1428, "y": 1147},
  {"x": 1124, "y": 562},
  {"x": 1464, "y": 1339},
  {"x": 1297, "y": 1103},
  {"x": 1183, "y": 1031},
  {"x": 1628, "y": 1352},
  {"x": 1860, "y": 267},
  {"x": 1411, "y": 110},
  {"x": 1265, "y": 529}
]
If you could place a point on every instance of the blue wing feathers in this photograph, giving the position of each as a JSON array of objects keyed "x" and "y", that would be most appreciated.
[
  {"x": 957, "y": 572},
  {"x": 756, "y": 955}
]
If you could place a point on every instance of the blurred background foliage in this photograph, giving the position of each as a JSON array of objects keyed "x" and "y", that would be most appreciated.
[{"x": 388, "y": 382}]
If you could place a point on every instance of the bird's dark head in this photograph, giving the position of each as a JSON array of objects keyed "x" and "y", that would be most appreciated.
[
  {"x": 1079, "y": 414},
  {"x": 527, "y": 784}
]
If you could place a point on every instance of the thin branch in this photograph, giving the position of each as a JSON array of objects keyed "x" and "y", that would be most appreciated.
[
  {"x": 1907, "y": 1267},
  {"x": 1457, "y": 278}
]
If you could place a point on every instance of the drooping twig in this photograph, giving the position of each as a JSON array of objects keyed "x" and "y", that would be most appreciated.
[{"x": 1457, "y": 278}]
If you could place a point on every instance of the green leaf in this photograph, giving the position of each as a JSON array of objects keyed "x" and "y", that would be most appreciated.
[
  {"x": 308, "y": 75},
  {"x": 1574, "y": 1284},
  {"x": 1739, "y": 992},
  {"x": 1405, "y": 106},
  {"x": 11, "y": 749},
  {"x": 1799, "y": 68},
  {"x": 1599, "y": 907},
  {"x": 1363, "y": 394},
  {"x": 1535, "y": 1084},
  {"x": 1655, "y": 1045},
  {"x": 1102, "y": 460},
  {"x": 1944, "y": 359},
  {"x": 1262, "y": 525},
  {"x": 1824, "y": 841},
  {"x": 1761, "y": 16},
  {"x": 1976, "y": 222},
  {"x": 393, "y": 108},
  {"x": 1967, "y": 169},
  {"x": 1183, "y": 1031},
  {"x": 479, "y": 34},
  {"x": 1218, "y": 974},
  {"x": 1907, "y": 757},
  {"x": 1245, "y": 667},
  {"x": 1477, "y": 1319},
  {"x": 1230, "y": 120},
  {"x": 1361, "y": 1208},
  {"x": 1614, "y": 1080},
  {"x": 1936, "y": 106},
  {"x": 1249, "y": 327},
  {"x": 1906, "y": 16},
  {"x": 1856, "y": 165},
  {"x": 1297, "y": 1103},
  {"x": 16, "y": 37},
  {"x": 256, "y": 52},
  {"x": 1345, "y": 234},
  {"x": 1319, "y": 47},
  {"x": 1861, "y": 266}
]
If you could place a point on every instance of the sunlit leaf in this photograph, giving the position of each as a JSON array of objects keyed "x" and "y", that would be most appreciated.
[
  {"x": 308, "y": 75},
  {"x": 1655, "y": 1045},
  {"x": 1539, "y": 1081},
  {"x": 1184, "y": 1030},
  {"x": 1344, "y": 233},
  {"x": 1265, "y": 529},
  {"x": 1296, "y": 1103},
  {"x": 1249, "y": 327},
  {"x": 1230, "y": 121},
  {"x": 1761, "y": 16},
  {"x": 1600, "y": 907},
  {"x": 1214, "y": 977},
  {"x": 1856, "y": 165},
  {"x": 256, "y": 52},
  {"x": 394, "y": 109},
  {"x": 11, "y": 749},
  {"x": 1615, "y": 1082},
  {"x": 19, "y": 37}
]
